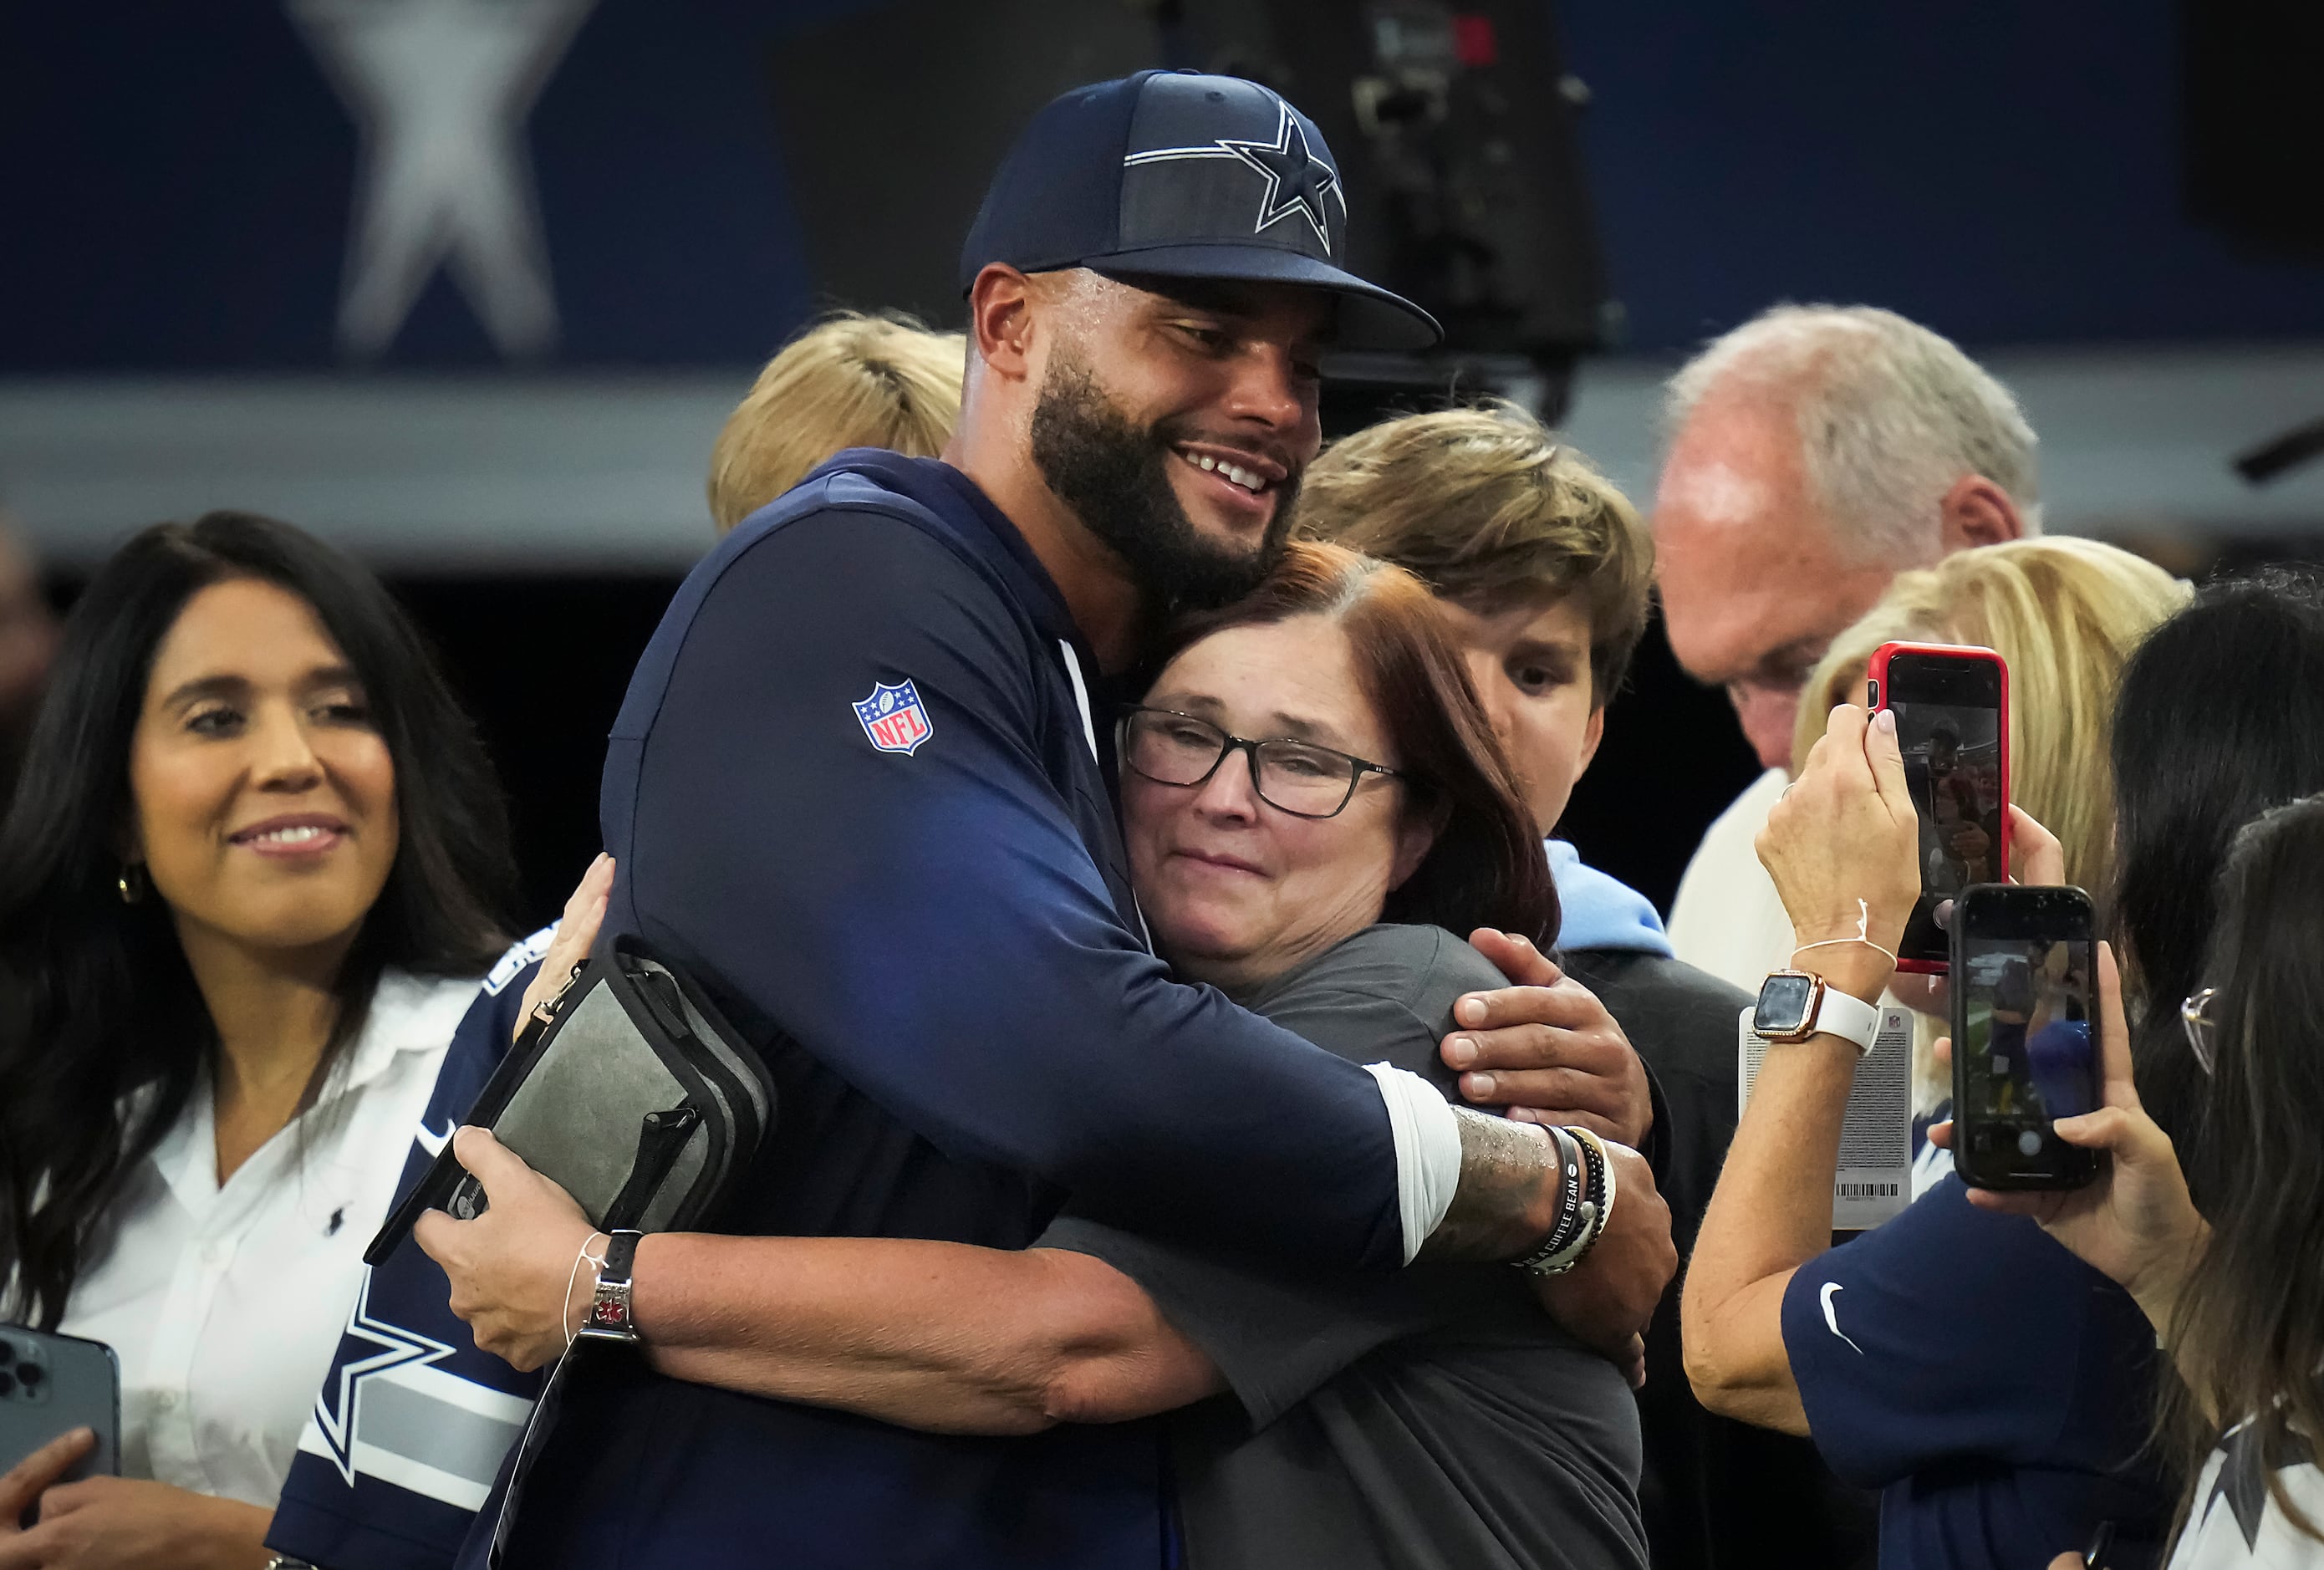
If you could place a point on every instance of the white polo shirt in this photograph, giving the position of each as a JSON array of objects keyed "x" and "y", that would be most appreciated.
[{"x": 225, "y": 1304}]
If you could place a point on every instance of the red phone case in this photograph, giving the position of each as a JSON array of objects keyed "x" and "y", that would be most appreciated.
[{"x": 1878, "y": 674}]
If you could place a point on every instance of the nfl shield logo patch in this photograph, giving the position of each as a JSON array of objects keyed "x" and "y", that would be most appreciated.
[{"x": 893, "y": 718}]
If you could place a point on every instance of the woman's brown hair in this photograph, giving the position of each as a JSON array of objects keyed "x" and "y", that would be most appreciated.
[{"x": 1486, "y": 867}]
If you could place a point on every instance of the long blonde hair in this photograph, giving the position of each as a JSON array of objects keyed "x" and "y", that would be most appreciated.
[{"x": 2065, "y": 614}]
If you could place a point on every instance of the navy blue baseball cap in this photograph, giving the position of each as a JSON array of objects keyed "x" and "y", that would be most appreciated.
[{"x": 1173, "y": 174}]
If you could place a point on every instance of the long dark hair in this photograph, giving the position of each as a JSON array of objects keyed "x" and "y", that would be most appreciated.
[
  {"x": 103, "y": 1036},
  {"x": 2220, "y": 716},
  {"x": 1486, "y": 867},
  {"x": 2247, "y": 1332}
]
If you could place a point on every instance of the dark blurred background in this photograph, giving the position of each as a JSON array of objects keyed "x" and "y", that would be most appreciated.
[{"x": 575, "y": 227}]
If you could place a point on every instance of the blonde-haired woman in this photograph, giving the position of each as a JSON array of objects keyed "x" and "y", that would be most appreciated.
[
  {"x": 2065, "y": 614},
  {"x": 850, "y": 379}
]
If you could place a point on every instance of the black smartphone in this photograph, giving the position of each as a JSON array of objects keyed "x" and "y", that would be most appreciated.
[
  {"x": 2026, "y": 1047},
  {"x": 1951, "y": 704},
  {"x": 52, "y": 1384}
]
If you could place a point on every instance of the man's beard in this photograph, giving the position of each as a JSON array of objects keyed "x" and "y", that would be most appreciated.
[{"x": 1116, "y": 478}]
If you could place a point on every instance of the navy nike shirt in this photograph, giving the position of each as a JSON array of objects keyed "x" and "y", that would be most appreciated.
[
  {"x": 1998, "y": 1390},
  {"x": 857, "y": 792}
]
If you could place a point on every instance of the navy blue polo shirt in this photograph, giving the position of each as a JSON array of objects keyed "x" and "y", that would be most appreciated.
[
  {"x": 1995, "y": 1388},
  {"x": 855, "y": 791}
]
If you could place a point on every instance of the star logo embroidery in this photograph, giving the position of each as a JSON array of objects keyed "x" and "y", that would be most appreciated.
[
  {"x": 1298, "y": 180},
  {"x": 1295, "y": 180},
  {"x": 398, "y": 1347}
]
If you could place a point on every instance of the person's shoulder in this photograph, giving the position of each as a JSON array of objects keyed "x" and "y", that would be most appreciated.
[
  {"x": 1426, "y": 968},
  {"x": 873, "y": 526}
]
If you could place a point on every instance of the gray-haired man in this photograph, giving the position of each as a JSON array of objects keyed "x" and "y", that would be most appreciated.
[{"x": 1814, "y": 452}]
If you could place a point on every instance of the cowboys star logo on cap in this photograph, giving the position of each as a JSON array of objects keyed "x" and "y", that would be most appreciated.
[
  {"x": 1297, "y": 181},
  {"x": 1178, "y": 174}
]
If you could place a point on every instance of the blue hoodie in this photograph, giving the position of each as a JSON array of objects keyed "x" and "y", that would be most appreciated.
[{"x": 1597, "y": 911}]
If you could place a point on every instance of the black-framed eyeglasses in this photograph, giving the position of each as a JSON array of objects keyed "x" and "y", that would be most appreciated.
[
  {"x": 2195, "y": 1017},
  {"x": 1299, "y": 778}
]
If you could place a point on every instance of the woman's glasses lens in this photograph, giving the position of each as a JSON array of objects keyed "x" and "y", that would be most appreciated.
[{"x": 1179, "y": 750}]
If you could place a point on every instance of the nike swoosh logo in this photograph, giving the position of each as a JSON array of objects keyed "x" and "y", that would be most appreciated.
[
  {"x": 1832, "y": 1315},
  {"x": 433, "y": 1144}
]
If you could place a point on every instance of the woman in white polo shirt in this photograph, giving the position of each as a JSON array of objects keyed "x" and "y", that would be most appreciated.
[{"x": 247, "y": 887}]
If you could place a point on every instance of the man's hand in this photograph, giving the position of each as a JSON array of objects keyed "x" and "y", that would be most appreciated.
[
  {"x": 1546, "y": 1048},
  {"x": 576, "y": 934},
  {"x": 1607, "y": 1300},
  {"x": 510, "y": 1266},
  {"x": 116, "y": 1523}
]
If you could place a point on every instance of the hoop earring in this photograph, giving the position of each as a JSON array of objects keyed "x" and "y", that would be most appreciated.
[{"x": 131, "y": 892}]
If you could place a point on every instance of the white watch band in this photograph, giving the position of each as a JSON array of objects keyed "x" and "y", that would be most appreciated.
[{"x": 1850, "y": 1019}]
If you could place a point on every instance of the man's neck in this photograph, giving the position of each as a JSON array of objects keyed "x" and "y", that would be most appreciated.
[{"x": 1103, "y": 603}]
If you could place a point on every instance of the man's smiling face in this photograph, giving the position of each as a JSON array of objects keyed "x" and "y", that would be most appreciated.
[{"x": 1177, "y": 425}]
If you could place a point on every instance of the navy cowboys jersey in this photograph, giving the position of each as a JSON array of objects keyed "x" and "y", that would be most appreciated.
[
  {"x": 410, "y": 1426},
  {"x": 859, "y": 789}
]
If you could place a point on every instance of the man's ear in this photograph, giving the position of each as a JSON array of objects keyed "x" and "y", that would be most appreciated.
[
  {"x": 1415, "y": 836},
  {"x": 1977, "y": 511},
  {"x": 1000, "y": 311},
  {"x": 1591, "y": 735}
]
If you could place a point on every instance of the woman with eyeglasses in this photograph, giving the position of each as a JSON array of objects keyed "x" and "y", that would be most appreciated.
[{"x": 1315, "y": 806}]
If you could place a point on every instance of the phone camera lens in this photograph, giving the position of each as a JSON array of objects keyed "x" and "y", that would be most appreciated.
[
  {"x": 7, "y": 1386},
  {"x": 7, "y": 1353},
  {"x": 31, "y": 1373}
]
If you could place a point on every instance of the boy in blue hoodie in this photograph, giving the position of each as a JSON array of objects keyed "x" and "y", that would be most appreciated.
[{"x": 1544, "y": 571}]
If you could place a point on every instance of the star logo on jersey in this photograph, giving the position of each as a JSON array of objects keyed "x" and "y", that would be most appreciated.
[
  {"x": 894, "y": 718},
  {"x": 1297, "y": 181},
  {"x": 398, "y": 1347},
  {"x": 440, "y": 89}
]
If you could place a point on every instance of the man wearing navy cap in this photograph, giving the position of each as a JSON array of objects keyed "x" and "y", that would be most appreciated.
[{"x": 861, "y": 789}]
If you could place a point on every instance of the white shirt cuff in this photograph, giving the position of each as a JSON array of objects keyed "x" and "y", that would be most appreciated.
[{"x": 1427, "y": 1151}]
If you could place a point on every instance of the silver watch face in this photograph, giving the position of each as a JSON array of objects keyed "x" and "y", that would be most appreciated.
[{"x": 1784, "y": 1002}]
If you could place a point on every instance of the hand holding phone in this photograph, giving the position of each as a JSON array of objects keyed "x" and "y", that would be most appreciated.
[
  {"x": 1951, "y": 704},
  {"x": 2025, "y": 1014},
  {"x": 50, "y": 1386}
]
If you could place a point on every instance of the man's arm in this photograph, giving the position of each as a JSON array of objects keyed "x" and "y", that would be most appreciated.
[
  {"x": 965, "y": 1340},
  {"x": 941, "y": 1336}
]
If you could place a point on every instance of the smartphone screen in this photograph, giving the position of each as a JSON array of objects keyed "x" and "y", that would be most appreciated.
[
  {"x": 1950, "y": 730},
  {"x": 2025, "y": 1003}
]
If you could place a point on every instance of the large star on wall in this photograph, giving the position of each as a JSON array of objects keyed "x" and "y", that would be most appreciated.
[{"x": 440, "y": 89}]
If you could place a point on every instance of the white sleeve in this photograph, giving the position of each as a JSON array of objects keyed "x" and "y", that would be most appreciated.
[{"x": 1427, "y": 1151}]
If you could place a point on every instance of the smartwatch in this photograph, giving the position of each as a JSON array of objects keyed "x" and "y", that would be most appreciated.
[
  {"x": 608, "y": 1317},
  {"x": 1795, "y": 1005}
]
